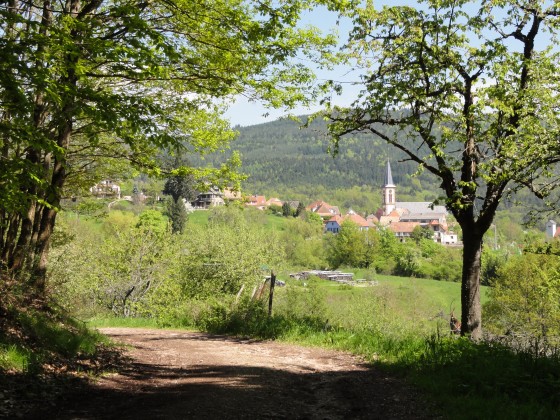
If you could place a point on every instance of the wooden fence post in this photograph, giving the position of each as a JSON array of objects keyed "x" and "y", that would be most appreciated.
[{"x": 271, "y": 295}]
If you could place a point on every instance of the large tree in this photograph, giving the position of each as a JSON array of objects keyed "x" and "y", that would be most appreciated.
[
  {"x": 84, "y": 80},
  {"x": 469, "y": 91}
]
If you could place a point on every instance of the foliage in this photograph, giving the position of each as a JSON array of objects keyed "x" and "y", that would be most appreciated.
[
  {"x": 305, "y": 303},
  {"x": 348, "y": 247},
  {"x": 274, "y": 209},
  {"x": 456, "y": 86},
  {"x": 117, "y": 275},
  {"x": 381, "y": 251},
  {"x": 492, "y": 262},
  {"x": 177, "y": 213},
  {"x": 421, "y": 232},
  {"x": 227, "y": 254},
  {"x": 313, "y": 218},
  {"x": 135, "y": 267},
  {"x": 180, "y": 187},
  {"x": 408, "y": 262},
  {"x": 287, "y": 210},
  {"x": 152, "y": 221},
  {"x": 86, "y": 86},
  {"x": 303, "y": 243},
  {"x": 525, "y": 300}
]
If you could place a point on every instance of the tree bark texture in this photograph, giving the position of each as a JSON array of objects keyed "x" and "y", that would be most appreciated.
[{"x": 471, "y": 311}]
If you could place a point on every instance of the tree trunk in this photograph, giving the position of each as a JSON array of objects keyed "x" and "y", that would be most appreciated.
[
  {"x": 24, "y": 240},
  {"x": 471, "y": 311},
  {"x": 11, "y": 236}
]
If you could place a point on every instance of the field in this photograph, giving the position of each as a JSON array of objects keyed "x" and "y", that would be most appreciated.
[{"x": 397, "y": 323}]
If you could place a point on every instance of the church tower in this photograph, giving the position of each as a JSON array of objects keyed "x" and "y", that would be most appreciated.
[{"x": 389, "y": 192}]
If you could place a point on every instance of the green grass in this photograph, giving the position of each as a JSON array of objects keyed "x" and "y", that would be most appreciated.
[
  {"x": 122, "y": 322},
  {"x": 14, "y": 358},
  {"x": 198, "y": 217},
  {"x": 269, "y": 221},
  {"x": 275, "y": 223},
  {"x": 35, "y": 338},
  {"x": 424, "y": 302}
]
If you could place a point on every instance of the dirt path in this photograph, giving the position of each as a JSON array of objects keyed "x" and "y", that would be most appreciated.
[{"x": 186, "y": 375}]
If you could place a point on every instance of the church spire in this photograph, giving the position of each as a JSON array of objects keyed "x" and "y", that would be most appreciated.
[
  {"x": 388, "y": 181},
  {"x": 389, "y": 192}
]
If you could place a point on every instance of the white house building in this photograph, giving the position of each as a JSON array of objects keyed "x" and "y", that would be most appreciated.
[{"x": 106, "y": 189}]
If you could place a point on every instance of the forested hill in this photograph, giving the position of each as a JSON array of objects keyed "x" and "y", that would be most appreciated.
[{"x": 285, "y": 160}]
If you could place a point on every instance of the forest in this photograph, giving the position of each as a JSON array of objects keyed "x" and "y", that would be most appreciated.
[{"x": 460, "y": 96}]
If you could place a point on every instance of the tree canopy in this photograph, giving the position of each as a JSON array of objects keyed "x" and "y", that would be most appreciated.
[
  {"x": 472, "y": 98},
  {"x": 87, "y": 83}
]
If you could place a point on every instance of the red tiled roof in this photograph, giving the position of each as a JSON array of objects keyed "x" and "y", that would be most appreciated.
[
  {"x": 338, "y": 219},
  {"x": 275, "y": 202},
  {"x": 323, "y": 209},
  {"x": 356, "y": 218},
  {"x": 404, "y": 227},
  {"x": 256, "y": 200}
]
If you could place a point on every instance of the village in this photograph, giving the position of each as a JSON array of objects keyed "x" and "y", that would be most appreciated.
[{"x": 402, "y": 218}]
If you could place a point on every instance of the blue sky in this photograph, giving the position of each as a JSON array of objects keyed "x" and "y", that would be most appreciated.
[{"x": 245, "y": 113}]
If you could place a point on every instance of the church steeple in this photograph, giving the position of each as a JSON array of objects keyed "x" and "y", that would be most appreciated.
[
  {"x": 389, "y": 191},
  {"x": 388, "y": 181}
]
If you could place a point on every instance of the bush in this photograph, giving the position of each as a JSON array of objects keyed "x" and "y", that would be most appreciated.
[{"x": 525, "y": 300}]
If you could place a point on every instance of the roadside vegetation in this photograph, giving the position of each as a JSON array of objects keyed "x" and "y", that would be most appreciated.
[
  {"x": 206, "y": 277},
  {"x": 451, "y": 87}
]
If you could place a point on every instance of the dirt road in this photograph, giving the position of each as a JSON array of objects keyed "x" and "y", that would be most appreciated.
[{"x": 186, "y": 375}]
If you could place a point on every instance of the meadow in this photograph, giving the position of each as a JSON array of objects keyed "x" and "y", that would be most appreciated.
[
  {"x": 399, "y": 324},
  {"x": 396, "y": 327}
]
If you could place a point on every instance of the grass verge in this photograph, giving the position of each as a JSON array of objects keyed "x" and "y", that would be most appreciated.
[{"x": 44, "y": 352}]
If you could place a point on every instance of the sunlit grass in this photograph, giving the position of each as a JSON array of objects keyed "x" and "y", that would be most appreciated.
[
  {"x": 110, "y": 322},
  {"x": 13, "y": 358}
]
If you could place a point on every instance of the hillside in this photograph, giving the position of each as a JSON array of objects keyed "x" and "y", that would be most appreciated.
[
  {"x": 293, "y": 163},
  {"x": 282, "y": 159}
]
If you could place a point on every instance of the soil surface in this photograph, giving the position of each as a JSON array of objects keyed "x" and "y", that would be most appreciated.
[{"x": 191, "y": 375}]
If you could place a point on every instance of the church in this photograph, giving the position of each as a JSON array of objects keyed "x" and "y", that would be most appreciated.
[{"x": 402, "y": 217}]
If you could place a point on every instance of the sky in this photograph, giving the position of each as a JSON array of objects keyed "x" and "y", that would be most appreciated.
[{"x": 245, "y": 113}]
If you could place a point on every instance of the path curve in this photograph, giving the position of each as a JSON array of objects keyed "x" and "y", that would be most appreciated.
[{"x": 189, "y": 375}]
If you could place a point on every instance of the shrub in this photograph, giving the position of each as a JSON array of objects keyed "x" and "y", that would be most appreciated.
[{"x": 525, "y": 300}]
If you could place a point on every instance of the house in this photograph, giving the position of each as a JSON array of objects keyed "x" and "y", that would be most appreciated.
[
  {"x": 258, "y": 201},
  {"x": 274, "y": 202},
  {"x": 392, "y": 217},
  {"x": 372, "y": 219},
  {"x": 403, "y": 230},
  {"x": 362, "y": 223},
  {"x": 106, "y": 189},
  {"x": 325, "y": 210},
  {"x": 334, "y": 224},
  {"x": 211, "y": 198},
  {"x": 231, "y": 195}
]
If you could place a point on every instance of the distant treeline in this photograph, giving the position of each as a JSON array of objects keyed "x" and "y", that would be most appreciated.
[
  {"x": 291, "y": 162},
  {"x": 281, "y": 157}
]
